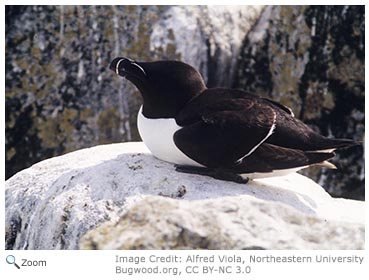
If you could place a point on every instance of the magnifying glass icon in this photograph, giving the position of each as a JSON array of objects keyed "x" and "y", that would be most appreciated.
[{"x": 11, "y": 260}]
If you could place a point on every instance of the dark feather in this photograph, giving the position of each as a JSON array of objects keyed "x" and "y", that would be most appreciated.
[
  {"x": 270, "y": 157},
  {"x": 222, "y": 126}
]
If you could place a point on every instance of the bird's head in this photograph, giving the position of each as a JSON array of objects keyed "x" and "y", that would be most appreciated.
[{"x": 166, "y": 86}]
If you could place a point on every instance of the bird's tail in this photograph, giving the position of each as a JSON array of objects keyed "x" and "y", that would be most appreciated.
[
  {"x": 320, "y": 158},
  {"x": 326, "y": 164},
  {"x": 330, "y": 145}
]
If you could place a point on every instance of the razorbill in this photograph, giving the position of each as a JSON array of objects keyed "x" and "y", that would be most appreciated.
[{"x": 227, "y": 134}]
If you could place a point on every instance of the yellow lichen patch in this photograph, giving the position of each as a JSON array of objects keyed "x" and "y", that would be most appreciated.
[
  {"x": 131, "y": 9},
  {"x": 287, "y": 80},
  {"x": 108, "y": 32},
  {"x": 49, "y": 83},
  {"x": 48, "y": 132},
  {"x": 34, "y": 69},
  {"x": 171, "y": 34},
  {"x": 22, "y": 63},
  {"x": 25, "y": 84},
  {"x": 10, "y": 153},
  {"x": 313, "y": 101},
  {"x": 108, "y": 124},
  {"x": 70, "y": 35},
  {"x": 65, "y": 120},
  {"x": 171, "y": 50},
  {"x": 53, "y": 131},
  {"x": 36, "y": 52},
  {"x": 86, "y": 113},
  {"x": 13, "y": 119},
  {"x": 48, "y": 70},
  {"x": 328, "y": 101},
  {"x": 140, "y": 46},
  {"x": 40, "y": 93},
  {"x": 351, "y": 76}
]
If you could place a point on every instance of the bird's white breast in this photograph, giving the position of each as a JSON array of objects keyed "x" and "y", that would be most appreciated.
[{"x": 157, "y": 134}]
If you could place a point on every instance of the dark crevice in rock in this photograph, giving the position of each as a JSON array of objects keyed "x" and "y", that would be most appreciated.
[
  {"x": 254, "y": 248},
  {"x": 11, "y": 232},
  {"x": 64, "y": 226},
  {"x": 190, "y": 239}
]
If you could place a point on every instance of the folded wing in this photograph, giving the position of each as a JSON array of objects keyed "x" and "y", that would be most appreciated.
[
  {"x": 225, "y": 131},
  {"x": 243, "y": 132}
]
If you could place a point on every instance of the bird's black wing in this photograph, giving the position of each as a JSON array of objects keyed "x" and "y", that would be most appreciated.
[
  {"x": 268, "y": 158},
  {"x": 220, "y": 131},
  {"x": 294, "y": 134},
  {"x": 286, "y": 109}
]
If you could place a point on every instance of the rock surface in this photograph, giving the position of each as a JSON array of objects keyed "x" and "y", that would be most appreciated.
[
  {"x": 222, "y": 223},
  {"x": 146, "y": 204},
  {"x": 60, "y": 94},
  {"x": 311, "y": 58}
]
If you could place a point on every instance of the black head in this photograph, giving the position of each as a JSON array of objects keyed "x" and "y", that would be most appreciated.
[{"x": 166, "y": 86}]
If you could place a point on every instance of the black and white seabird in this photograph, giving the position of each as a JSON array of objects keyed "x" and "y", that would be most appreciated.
[{"x": 228, "y": 134}]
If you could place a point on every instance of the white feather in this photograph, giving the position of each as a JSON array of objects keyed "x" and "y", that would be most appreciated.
[
  {"x": 157, "y": 134},
  {"x": 275, "y": 173},
  {"x": 117, "y": 66},
  {"x": 133, "y": 63},
  {"x": 271, "y": 130}
]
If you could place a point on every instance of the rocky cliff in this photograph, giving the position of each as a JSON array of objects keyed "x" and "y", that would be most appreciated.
[{"x": 60, "y": 95}]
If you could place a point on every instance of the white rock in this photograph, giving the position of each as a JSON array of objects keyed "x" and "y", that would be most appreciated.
[
  {"x": 52, "y": 204},
  {"x": 236, "y": 222}
]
